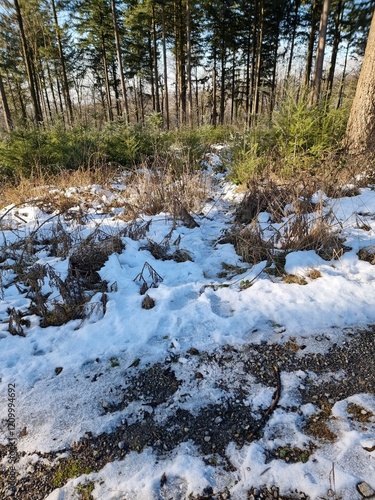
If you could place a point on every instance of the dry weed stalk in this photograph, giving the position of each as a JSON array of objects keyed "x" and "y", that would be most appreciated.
[
  {"x": 154, "y": 190},
  {"x": 153, "y": 275}
]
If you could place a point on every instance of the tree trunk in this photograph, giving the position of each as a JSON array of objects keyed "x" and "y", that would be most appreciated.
[
  {"x": 223, "y": 60},
  {"x": 109, "y": 111},
  {"x": 253, "y": 63},
  {"x": 151, "y": 69},
  {"x": 155, "y": 60},
  {"x": 343, "y": 76},
  {"x": 258, "y": 65},
  {"x": 274, "y": 69},
  {"x": 310, "y": 48},
  {"x": 119, "y": 61},
  {"x": 360, "y": 132},
  {"x": 165, "y": 67},
  {"x": 29, "y": 66},
  {"x": 294, "y": 32},
  {"x": 335, "y": 47},
  {"x": 68, "y": 102},
  {"x": 59, "y": 92},
  {"x": 51, "y": 89},
  {"x": 247, "y": 84},
  {"x": 180, "y": 41},
  {"x": 188, "y": 63},
  {"x": 233, "y": 85},
  {"x": 320, "y": 52},
  {"x": 6, "y": 110},
  {"x": 214, "y": 90},
  {"x": 115, "y": 88}
]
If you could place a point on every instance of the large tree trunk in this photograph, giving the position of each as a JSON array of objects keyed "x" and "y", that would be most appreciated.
[{"x": 360, "y": 132}]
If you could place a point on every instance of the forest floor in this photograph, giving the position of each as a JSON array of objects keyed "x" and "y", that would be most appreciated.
[{"x": 142, "y": 358}]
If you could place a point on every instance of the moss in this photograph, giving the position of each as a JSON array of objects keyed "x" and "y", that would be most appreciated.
[
  {"x": 66, "y": 470},
  {"x": 85, "y": 490},
  {"x": 294, "y": 455},
  {"x": 317, "y": 425}
]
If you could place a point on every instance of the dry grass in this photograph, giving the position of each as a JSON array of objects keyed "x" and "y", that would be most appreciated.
[
  {"x": 160, "y": 188},
  {"x": 297, "y": 221},
  {"x": 313, "y": 233},
  {"x": 250, "y": 244},
  {"x": 51, "y": 188}
]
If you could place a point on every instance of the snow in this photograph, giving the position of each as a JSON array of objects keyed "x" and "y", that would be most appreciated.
[{"x": 191, "y": 309}]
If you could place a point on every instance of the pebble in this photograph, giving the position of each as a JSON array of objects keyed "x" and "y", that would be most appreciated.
[
  {"x": 207, "y": 439},
  {"x": 218, "y": 420},
  {"x": 365, "y": 490}
]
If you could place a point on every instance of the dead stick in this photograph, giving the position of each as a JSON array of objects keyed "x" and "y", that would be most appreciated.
[{"x": 271, "y": 409}]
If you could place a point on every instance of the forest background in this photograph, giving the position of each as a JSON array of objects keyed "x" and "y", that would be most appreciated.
[{"x": 107, "y": 83}]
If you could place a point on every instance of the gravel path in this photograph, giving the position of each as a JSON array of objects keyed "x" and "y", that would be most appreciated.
[{"x": 163, "y": 424}]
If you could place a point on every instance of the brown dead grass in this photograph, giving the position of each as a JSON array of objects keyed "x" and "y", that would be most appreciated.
[{"x": 51, "y": 188}]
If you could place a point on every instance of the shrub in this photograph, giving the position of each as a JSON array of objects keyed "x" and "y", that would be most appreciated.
[{"x": 296, "y": 140}]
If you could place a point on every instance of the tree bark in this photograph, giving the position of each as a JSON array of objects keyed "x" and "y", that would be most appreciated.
[
  {"x": 310, "y": 48},
  {"x": 293, "y": 40},
  {"x": 188, "y": 63},
  {"x": 165, "y": 66},
  {"x": 335, "y": 46},
  {"x": 360, "y": 132},
  {"x": 155, "y": 61},
  {"x": 6, "y": 110},
  {"x": 214, "y": 92},
  {"x": 68, "y": 102},
  {"x": 119, "y": 61},
  {"x": 109, "y": 110},
  {"x": 29, "y": 66},
  {"x": 258, "y": 65},
  {"x": 320, "y": 52}
]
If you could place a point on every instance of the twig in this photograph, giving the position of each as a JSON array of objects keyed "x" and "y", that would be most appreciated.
[{"x": 272, "y": 407}]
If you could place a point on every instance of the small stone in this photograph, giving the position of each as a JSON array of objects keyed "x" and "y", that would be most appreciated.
[
  {"x": 121, "y": 445},
  {"x": 23, "y": 432},
  {"x": 365, "y": 490},
  {"x": 218, "y": 420},
  {"x": 106, "y": 404},
  {"x": 207, "y": 439},
  {"x": 58, "y": 370}
]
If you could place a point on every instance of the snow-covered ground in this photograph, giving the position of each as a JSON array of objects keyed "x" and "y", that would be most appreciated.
[{"x": 192, "y": 310}]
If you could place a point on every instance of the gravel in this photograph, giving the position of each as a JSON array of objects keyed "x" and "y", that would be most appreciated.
[{"x": 162, "y": 424}]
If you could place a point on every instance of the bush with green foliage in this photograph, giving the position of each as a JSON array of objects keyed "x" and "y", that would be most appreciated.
[{"x": 297, "y": 139}]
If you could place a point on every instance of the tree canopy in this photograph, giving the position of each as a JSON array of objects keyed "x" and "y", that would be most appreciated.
[{"x": 191, "y": 62}]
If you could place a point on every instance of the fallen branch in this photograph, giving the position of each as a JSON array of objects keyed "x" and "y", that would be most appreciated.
[{"x": 276, "y": 397}]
